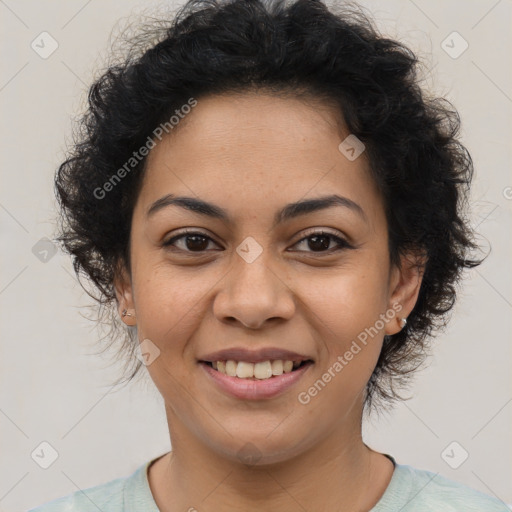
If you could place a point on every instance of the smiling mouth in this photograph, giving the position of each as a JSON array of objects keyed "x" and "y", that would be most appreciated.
[{"x": 263, "y": 370}]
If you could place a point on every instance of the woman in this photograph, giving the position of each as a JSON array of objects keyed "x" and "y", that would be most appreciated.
[{"x": 270, "y": 204}]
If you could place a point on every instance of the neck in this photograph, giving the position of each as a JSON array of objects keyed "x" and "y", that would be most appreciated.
[{"x": 340, "y": 473}]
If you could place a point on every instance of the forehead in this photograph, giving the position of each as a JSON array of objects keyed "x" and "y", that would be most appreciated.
[{"x": 256, "y": 150}]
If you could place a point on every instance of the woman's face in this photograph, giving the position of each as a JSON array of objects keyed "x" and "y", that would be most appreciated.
[{"x": 260, "y": 280}]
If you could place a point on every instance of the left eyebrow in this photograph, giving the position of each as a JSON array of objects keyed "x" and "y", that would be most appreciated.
[{"x": 288, "y": 212}]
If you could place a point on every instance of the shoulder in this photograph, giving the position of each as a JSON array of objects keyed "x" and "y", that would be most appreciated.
[
  {"x": 107, "y": 497},
  {"x": 111, "y": 496},
  {"x": 419, "y": 490}
]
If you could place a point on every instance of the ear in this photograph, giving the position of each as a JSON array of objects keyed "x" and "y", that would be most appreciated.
[
  {"x": 404, "y": 285},
  {"x": 124, "y": 295}
]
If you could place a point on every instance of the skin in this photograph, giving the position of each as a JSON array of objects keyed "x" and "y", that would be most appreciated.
[{"x": 252, "y": 154}]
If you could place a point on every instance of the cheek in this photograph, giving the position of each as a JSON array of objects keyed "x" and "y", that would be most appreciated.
[
  {"x": 161, "y": 299},
  {"x": 170, "y": 302},
  {"x": 168, "y": 313},
  {"x": 346, "y": 312},
  {"x": 348, "y": 301}
]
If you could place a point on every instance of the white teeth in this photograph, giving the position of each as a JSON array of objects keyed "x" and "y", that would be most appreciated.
[
  {"x": 231, "y": 368},
  {"x": 277, "y": 367},
  {"x": 244, "y": 370},
  {"x": 262, "y": 370}
]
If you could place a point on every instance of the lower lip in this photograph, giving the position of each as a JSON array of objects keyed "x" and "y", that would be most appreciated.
[{"x": 247, "y": 389}]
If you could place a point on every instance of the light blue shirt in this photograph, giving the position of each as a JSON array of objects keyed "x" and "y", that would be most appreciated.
[{"x": 410, "y": 490}]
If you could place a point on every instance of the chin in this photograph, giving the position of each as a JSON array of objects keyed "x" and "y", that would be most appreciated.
[{"x": 262, "y": 449}]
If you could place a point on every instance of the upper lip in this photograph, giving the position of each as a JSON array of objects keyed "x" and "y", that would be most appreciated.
[{"x": 254, "y": 356}]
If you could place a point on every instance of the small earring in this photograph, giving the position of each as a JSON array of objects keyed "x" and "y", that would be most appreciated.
[
  {"x": 403, "y": 322},
  {"x": 130, "y": 321}
]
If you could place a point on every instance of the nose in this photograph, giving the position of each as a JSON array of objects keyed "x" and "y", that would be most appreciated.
[{"x": 254, "y": 293}]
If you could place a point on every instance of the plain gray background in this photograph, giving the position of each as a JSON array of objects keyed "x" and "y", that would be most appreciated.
[{"x": 54, "y": 389}]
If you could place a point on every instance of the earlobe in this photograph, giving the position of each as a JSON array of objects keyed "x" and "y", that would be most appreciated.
[
  {"x": 128, "y": 317},
  {"x": 124, "y": 295},
  {"x": 405, "y": 285}
]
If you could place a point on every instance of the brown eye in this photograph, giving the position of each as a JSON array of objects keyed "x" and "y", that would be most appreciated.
[
  {"x": 193, "y": 241},
  {"x": 317, "y": 242},
  {"x": 320, "y": 241}
]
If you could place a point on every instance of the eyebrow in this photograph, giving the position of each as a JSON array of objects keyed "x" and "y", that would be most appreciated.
[{"x": 288, "y": 212}]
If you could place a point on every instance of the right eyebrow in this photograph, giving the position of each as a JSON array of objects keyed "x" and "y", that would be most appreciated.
[{"x": 288, "y": 212}]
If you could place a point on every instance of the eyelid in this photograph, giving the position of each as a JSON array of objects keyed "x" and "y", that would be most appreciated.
[
  {"x": 342, "y": 244},
  {"x": 322, "y": 231},
  {"x": 187, "y": 231},
  {"x": 340, "y": 239}
]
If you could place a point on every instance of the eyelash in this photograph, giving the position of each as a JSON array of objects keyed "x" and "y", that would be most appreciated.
[{"x": 342, "y": 244}]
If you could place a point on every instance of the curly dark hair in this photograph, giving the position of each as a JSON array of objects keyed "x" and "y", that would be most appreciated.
[{"x": 300, "y": 49}]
